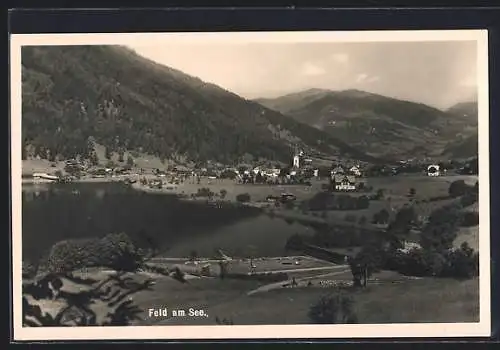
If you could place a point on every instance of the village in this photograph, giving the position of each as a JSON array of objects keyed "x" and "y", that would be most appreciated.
[{"x": 342, "y": 176}]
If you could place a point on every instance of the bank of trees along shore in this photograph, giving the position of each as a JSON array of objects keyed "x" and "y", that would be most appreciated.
[{"x": 433, "y": 256}]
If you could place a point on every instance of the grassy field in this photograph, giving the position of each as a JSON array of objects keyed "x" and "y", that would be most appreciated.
[
  {"x": 420, "y": 300},
  {"x": 389, "y": 298}
]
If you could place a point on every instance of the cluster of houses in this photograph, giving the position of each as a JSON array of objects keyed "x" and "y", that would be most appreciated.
[{"x": 345, "y": 179}]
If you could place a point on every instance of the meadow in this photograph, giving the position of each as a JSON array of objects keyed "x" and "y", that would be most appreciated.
[{"x": 411, "y": 300}]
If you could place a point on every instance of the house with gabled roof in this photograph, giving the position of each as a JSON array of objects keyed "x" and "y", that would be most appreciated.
[
  {"x": 354, "y": 170},
  {"x": 344, "y": 182}
]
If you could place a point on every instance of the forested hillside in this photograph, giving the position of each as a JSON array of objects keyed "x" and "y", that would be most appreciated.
[{"x": 76, "y": 96}]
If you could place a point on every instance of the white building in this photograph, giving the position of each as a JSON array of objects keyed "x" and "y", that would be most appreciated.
[
  {"x": 433, "y": 170},
  {"x": 296, "y": 161},
  {"x": 44, "y": 177},
  {"x": 354, "y": 170}
]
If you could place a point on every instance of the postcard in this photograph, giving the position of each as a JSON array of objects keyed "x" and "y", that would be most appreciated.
[{"x": 250, "y": 185}]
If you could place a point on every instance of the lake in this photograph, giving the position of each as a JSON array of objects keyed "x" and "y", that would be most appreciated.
[{"x": 54, "y": 212}]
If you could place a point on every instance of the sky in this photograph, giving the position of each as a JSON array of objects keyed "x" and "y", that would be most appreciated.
[{"x": 439, "y": 74}]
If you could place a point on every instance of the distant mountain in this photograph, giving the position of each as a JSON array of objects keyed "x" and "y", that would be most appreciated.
[
  {"x": 376, "y": 124},
  {"x": 76, "y": 96},
  {"x": 467, "y": 109},
  {"x": 463, "y": 148}
]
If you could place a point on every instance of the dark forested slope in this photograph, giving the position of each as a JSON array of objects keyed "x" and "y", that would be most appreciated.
[{"x": 74, "y": 96}]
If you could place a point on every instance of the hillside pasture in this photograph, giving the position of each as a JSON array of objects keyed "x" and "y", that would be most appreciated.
[{"x": 395, "y": 301}]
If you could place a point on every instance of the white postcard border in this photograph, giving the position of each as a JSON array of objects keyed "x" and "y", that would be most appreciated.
[{"x": 481, "y": 328}]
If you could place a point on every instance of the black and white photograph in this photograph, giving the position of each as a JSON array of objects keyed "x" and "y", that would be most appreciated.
[{"x": 258, "y": 183}]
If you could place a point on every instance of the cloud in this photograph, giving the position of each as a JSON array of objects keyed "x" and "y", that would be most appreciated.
[
  {"x": 360, "y": 78},
  {"x": 312, "y": 69},
  {"x": 367, "y": 79},
  {"x": 340, "y": 57},
  {"x": 373, "y": 79}
]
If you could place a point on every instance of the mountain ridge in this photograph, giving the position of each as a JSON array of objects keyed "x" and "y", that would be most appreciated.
[
  {"x": 376, "y": 124},
  {"x": 75, "y": 94}
]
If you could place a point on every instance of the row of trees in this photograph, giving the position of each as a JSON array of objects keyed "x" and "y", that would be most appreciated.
[{"x": 330, "y": 201}]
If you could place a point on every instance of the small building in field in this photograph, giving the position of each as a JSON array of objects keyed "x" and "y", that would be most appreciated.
[
  {"x": 44, "y": 177},
  {"x": 433, "y": 170},
  {"x": 354, "y": 170},
  {"x": 344, "y": 182}
]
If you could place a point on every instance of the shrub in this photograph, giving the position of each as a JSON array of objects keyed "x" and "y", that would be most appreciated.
[
  {"x": 381, "y": 217},
  {"x": 363, "y": 202},
  {"x": 458, "y": 188},
  {"x": 243, "y": 198},
  {"x": 468, "y": 199},
  {"x": 333, "y": 309},
  {"x": 470, "y": 219},
  {"x": 115, "y": 251},
  {"x": 455, "y": 263},
  {"x": 204, "y": 192},
  {"x": 223, "y": 193},
  {"x": 462, "y": 263}
]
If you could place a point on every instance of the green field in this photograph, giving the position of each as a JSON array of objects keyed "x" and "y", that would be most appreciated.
[
  {"x": 419, "y": 300},
  {"x": 408, "y": 301}
]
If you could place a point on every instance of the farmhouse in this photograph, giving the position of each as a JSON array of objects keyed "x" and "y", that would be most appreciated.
[
  {"x": 354, "y": 170},
  {"x": 338, "y": 170},
  {"x": 182, "y": 170},
  {"x": 433, "y": 170},
  {"x": 344, "y": 182}
]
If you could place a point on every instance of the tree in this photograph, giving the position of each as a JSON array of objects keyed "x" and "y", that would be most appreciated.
[
  {"x": 284, "y": 172},
  {"x": 94, "y": 159},
  {"x": 368, "y": 261},
  {"x": 107, "y": 153},
  {"x": 120, "y": 156},
  {"x": 222, "y": 193},
  {"x": 223, "y": 265},
  {"x": 130, "y": 161},
  {"x": 458, "y": 188},
  {"x": 333, "y": 309},
  {"x": 441, "y": 229},
  {"x": 110, "y": 164},
  {"x": 243, "y": 198},
  {"x": 401, "y": 225},
  {"x": 381, "y": 217}
]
